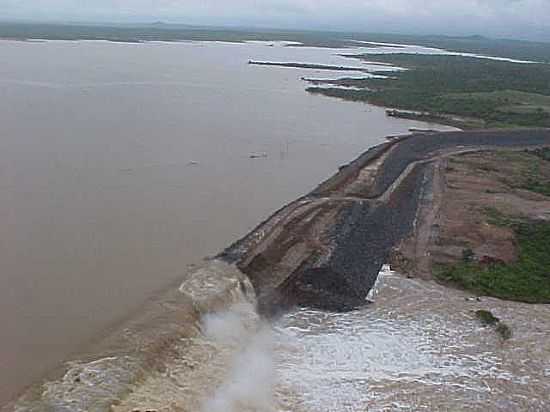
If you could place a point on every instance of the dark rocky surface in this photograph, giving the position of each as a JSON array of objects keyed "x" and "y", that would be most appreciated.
[
  {"x": 325, "y": 250},
  {"x": 371, "y": 232},
  {"x": 419, "y": 146}
]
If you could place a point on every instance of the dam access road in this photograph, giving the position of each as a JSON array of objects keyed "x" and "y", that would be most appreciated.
[{"x": 326, "y": 249}]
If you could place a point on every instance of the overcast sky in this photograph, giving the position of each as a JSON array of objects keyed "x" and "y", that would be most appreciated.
[{"x": 509, "y": 18}]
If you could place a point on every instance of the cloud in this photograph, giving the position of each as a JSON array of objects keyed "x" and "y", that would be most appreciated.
[{"x": 490, "y": 17}]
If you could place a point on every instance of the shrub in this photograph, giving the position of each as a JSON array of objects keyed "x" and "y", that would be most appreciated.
[
  {"x": 468, "y": 255},
  {"x": 486, "y": 317},
  {"x": 526, "y": 280}
]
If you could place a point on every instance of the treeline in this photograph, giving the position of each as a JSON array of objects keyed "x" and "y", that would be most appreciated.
[{"x": 455, "y": 85}]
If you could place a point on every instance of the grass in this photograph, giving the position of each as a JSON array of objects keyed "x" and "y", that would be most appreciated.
[
  {"x": 456, "y": 88},
  {"x": 535, "y": 185},
  {"x": 531, "y": 172},
  {"x": 508, "y": 101},
  {"x": 534, "y": 180},
  {"x": 527, "y": 280},
  {"x": 517, "y": 49},
  {"x": 497, "y": 218},
  {"x": 482, "y": 93},
  {"x": 543, "y": 153}
]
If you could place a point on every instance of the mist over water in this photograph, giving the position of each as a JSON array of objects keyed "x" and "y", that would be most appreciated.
[
  {"x": 250, "y": 381},
  {"x": 418, "y": 346}
]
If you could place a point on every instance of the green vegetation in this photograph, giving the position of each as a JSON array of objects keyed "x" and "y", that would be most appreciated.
[
  {"x": 481, "y": 92},
  {"x": 530, "y": 172},
  {"x": 135, "y": 33},
  {"x": 462, "y": 91},
  {"x": 535, "y": 185},
  {"x": 527, "y": 280},
  {"x": 486, "y": 317},
  {"x": 543, "y": 153},
  {"x": 468, "y": 255},
  {"x": 496, "y": 218},
  {"x": 534, "y": 180},
  {"x": 516, "y": 49}
]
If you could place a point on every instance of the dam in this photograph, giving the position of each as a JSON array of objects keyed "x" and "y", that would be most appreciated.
[{"x": 302, "y": 314}]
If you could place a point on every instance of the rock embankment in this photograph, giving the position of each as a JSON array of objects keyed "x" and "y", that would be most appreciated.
[
  {"x": 485, "y": 225},
  {"x": 326, "y": 249}
]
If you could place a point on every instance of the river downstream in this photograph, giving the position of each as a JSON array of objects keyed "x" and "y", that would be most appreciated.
[{"x": 417, "y": 347}]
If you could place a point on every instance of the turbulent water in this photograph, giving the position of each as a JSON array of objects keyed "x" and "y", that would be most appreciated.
[{"x": 418, "y": 346}]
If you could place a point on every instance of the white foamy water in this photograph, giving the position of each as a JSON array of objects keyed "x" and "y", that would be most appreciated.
[{"x": 417, "y": 347}]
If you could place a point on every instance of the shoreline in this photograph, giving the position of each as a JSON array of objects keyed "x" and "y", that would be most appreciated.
[
  {"x": 300, "y": 254},
  {"x": 307, "y": 66}
]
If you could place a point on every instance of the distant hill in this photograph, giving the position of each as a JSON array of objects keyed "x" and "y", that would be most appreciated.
[{"x": 160, "y": 30}]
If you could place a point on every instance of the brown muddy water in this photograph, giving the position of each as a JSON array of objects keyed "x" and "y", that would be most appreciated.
[
  {"x": 417, "y": 347},
  {"x": 123, "y": 164}
]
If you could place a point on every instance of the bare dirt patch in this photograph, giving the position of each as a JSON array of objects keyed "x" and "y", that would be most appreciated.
[{"x": 462, "y": 212}]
